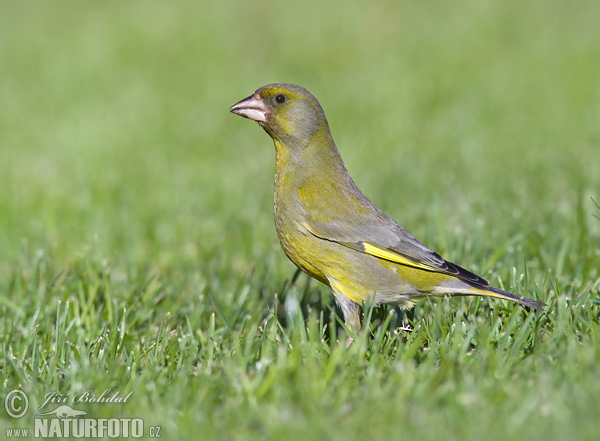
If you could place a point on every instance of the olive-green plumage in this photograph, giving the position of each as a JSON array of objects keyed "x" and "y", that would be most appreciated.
[{"x": 331, "y": 231}]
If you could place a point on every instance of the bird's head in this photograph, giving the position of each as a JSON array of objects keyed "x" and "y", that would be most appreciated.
[{"x": 288, "y": 113}]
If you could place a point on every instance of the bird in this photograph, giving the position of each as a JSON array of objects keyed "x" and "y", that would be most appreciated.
[{"x": 330, "y": 230}]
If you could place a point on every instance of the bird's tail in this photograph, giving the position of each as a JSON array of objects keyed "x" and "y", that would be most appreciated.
[{"x": 504, "y": 295}]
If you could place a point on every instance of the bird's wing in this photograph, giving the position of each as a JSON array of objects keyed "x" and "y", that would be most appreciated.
[{"x": 389, "y": 241}]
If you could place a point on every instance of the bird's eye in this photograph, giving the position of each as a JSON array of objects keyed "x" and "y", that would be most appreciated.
[{"x": 280, "y": 98}]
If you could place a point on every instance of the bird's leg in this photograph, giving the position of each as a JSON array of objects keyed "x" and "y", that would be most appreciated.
[
  {"x": 349, "y": 341},
  {"x": 351, "y": 312},
  {"x": 352, "y": 320}
]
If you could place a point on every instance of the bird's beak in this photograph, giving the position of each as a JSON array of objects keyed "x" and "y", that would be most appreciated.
[{"x": 252, "y": 108}]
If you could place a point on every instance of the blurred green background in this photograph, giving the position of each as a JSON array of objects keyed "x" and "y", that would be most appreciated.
[
  {"x": 116, "y": 131},
  {"x": 476, "y": 125}
]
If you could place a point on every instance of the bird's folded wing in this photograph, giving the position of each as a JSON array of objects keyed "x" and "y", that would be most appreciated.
[{"x": 393, "y": 243}]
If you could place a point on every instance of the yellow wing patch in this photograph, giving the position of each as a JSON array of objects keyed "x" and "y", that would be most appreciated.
[
  {"x": 395, "y": 257},
  {"x": 376, "y": 251}
]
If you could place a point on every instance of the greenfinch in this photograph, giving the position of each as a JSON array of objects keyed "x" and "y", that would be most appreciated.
[{"x": 330, "y": 230}]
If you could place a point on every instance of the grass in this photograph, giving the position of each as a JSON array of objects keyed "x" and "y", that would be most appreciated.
[{"x": 138, "y": 252}]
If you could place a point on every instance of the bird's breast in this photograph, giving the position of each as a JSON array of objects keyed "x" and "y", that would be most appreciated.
[{"x": 297, "y": 242}]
